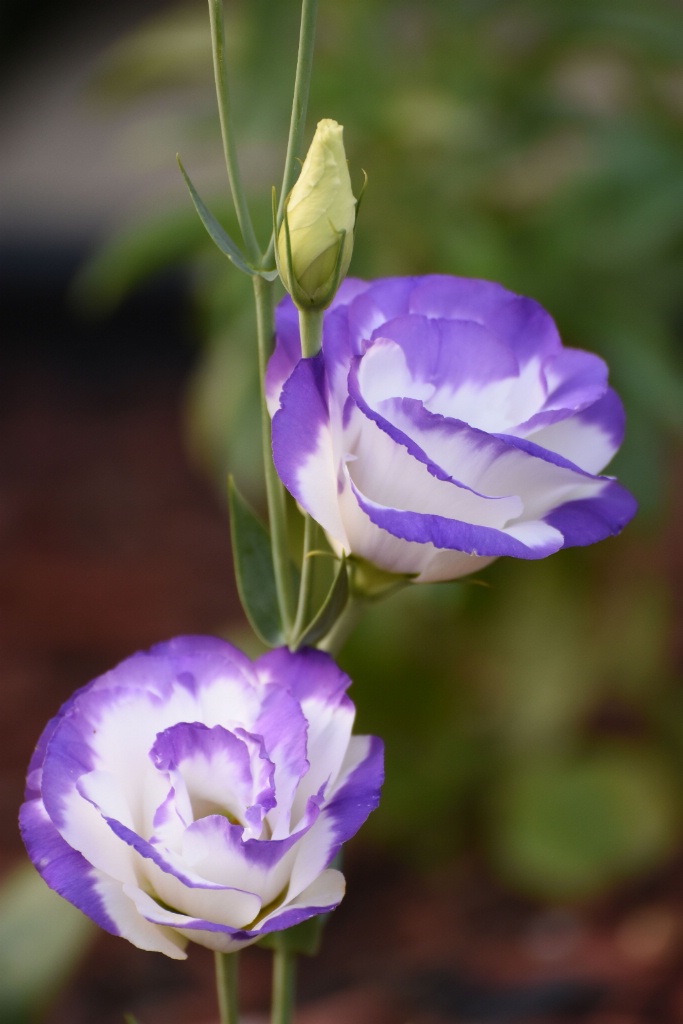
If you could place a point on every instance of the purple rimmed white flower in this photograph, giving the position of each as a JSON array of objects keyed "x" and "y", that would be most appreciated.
[
  {"x": 444, "y": 425},
  {"x": 190, "y": 794}
]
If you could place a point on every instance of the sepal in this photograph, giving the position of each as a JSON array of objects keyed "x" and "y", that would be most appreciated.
[
  {"x": 331, "y": 609},
  {"x": 372, "y": 583}
]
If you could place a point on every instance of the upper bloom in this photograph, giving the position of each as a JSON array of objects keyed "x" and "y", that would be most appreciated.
[
  {"x": 443, "y": 425},
  {"x": 192, "y": 794},
  {"x": 321, "y": 215}
]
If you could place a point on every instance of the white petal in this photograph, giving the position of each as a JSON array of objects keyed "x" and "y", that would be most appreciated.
[
  {"x": 317, "y": 484},
  {"x": 207, "y": 854},
  {"x": 328, "y": 741},
  {"x": 536, "y": 534},
  {"x": 385, "y": 472},
  {"x": 122, "y": 905},
  {"x": 222, "y": 905},
  {"x": 327, "y": 890},
  {"x": 585, "y": 444}
]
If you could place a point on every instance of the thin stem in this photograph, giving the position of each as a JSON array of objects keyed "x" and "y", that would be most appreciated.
[
  {"x": 226, "y": 987},
  {"x": 229, "y": 149},
  {"x": 297, "y": 124},
  {"x": 343, "y": 627},
  {"x": 284, "y": 980},
  {"x": 275, "y": 495},
  {"x": 306, "y": 585},
  {"x": 311, "y": 331}
]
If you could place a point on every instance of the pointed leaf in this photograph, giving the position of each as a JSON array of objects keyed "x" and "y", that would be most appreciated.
[
  {"x": 217, "y": 232},
  {"x": 254, "y": 569},
  {"x": 330, "y": 610}
]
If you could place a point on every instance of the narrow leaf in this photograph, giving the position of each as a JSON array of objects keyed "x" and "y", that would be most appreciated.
[
  {"x": 330, "y": 610},
  {"x": 217, "y": 232},
  {"x": 254, "y": 569}
]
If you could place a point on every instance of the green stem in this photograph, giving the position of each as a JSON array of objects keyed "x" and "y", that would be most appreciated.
[
  {"x": 226, "y": 987},
  {"x": 306, "y": 585},
  {"x": 311, "y": 331},
  {"x": 297, "y": 124},
  {"x": 343, "y": 627},
  {"x": 229, "y": 149},
  {"x": 275, "y": 494},
  {"x": 284, "y": 979}
]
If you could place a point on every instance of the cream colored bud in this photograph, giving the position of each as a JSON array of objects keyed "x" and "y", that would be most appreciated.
[{"x": 320, "y": 214}]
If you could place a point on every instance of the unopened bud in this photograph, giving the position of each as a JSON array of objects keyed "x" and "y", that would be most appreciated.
[{"x": 316, "y": 236}]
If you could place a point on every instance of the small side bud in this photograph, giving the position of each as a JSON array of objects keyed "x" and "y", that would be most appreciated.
[{"x": 315, "y": 240}]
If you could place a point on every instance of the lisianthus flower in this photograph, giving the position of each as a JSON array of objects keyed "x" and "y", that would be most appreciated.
[
  {"x": 444, "y": 425},
  {"x": 190, "y": 794}
]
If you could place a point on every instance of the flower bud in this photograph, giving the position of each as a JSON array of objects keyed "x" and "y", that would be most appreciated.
[{"x": 320, "y": 214}]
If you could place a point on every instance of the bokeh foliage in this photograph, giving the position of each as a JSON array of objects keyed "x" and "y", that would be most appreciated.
[{"x": 538, "y": 143}]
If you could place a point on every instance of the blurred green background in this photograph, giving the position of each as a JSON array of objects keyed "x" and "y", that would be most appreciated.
[{"x": 537, "y": 719}]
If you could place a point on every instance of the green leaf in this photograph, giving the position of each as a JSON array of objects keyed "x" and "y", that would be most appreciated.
[
  {"x": 42, "y": 939},
  {"x": 254, "y": 569},
  {"x": 330, "y": 610},
  {"x": 217, "y": 232},
  {"x": 130, "y": 1019}
]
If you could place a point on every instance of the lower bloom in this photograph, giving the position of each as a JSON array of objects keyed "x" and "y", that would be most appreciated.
[{"x": 190, "y": 794}]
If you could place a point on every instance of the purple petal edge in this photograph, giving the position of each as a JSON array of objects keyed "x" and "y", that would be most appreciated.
[
  {"x": 451, "y": 534},
  {"x": 62, "y": 868},
  {"x": 351, "y": 806},
  {"x": 594, "y": 519}
]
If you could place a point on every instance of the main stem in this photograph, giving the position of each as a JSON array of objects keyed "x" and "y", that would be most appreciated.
[
  {"x": 343, "y": 627},
  {"x": 275, "y": 494},
  {"x": 229, "y": 148},
  {"x": 227, "y": 988},
  {"x": 297, "y": 124},
  {"x": 284, "y": 975},
  {"x": 311, "y": 331},
  {"x": 306, "y": 585}
]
